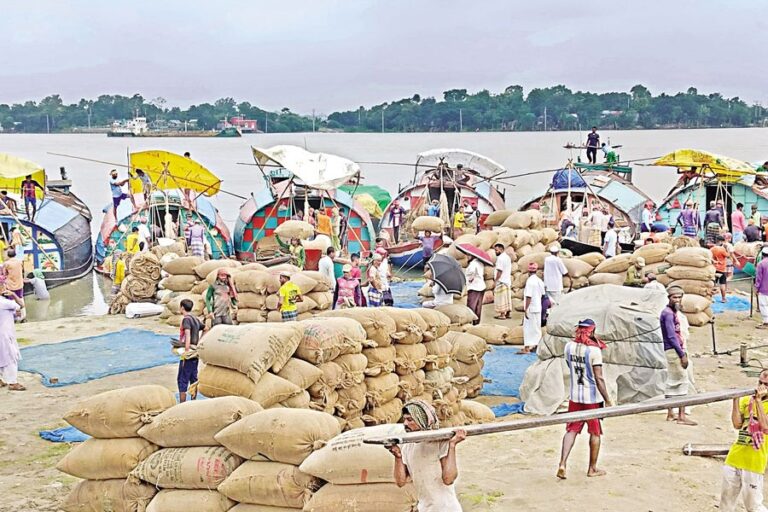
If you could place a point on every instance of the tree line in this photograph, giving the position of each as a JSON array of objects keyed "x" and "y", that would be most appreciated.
[{"x": 550, "y": 108}]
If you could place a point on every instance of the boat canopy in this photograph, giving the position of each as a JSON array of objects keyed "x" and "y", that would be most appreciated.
[
  {"x": 315, "y": 170},
  {"x": 169, "y": 171},
  {"x": 13, "y": 170},
  {"x": 706, "y": 164},
  {"x": 470, "y": 160},
  {"x": 565, "y": 179},
  {"x": 373, "y": 198}
]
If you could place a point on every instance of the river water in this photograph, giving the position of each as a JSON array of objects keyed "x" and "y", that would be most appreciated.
[{"x": 518, "y": 152}]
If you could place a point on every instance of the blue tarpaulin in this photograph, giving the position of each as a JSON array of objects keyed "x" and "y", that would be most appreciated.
[
  {"x": 732, "y": 303},
  {"x": 561, "y": 178},
  {"x": 64, "y": 435},
  {"x": 81, "y": 360},
  {"x": 508, "y": 408},
  {"x": 406, "y": 294},
  {"x": 505, "y": 368}
]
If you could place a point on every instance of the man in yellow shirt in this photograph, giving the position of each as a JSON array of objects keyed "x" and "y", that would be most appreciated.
[
  {"x": 132, "y": 241},
  {"x": 289, "y": 294},
  {"x": 458, "y": 223},
  {"x": 3, "y": 247},
  {"x": 748, "y": 456}
]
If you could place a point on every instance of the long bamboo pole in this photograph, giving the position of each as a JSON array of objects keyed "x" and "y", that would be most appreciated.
[{"x": 546, "y": 421}]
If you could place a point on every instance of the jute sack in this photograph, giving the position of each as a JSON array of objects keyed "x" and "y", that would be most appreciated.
[
  {"x": 283, "y": 267},
  {"x": 378, "y": 326},
  {"x": 497, "y": 218},
  {"x": 664, "y": 279},
  {"x": 691, "y": 257},
  {"x": 606, "y": 278},
  {"x": 175, "y": 500},
  {"x": 380, "y": 360},
  {"x": 306, "y": 284},
  {"x": 515, "y": 335},
  {"x": 695, "y": 303},
  {"x": 253, "y": 281},
  {"x": 205, "y": 268},
  {"x": 251, "y": 316},
  {"x": 653, "y": 253},
  {"x": 174, "y": 305},
  {"x": 467, "y": 370},
  {"x": 272, "y": 302},
  {"x": 522, "y": 239},
  {"x": 180, "y": 283},
  {"x": 174, "y": 320},
  {"x": 250, "y": 349},
  {"x": 390, "y": 412},
  {"x": 327, "y": 403},
  {"x": 353, "y": 369},
  {"x": 476, "y": 412},
  {"x": 114, "y": 495},
  {"x": 184, "y": 265},
  {"x": 199, "y": 289},
  {"x": 301, "y": 373},
  {"x": 549, "y": 235},
  {"x": 103, "y": 459},
  {"x": 194, "y": 423},
  {"x": 537, "y": 219},
  {"x": 324, "y": 300},
  {"x": 121, "y": 412},
  {"x": 381, "y": 497},
  {"x": 322, "y": 284},
  {"x": 698, "y": 319},
  {"x": 448, "y": 404},
  {"x": 486, "y": 240},
  {"x": 198, "y": 467},
  {"x": 425, "y": 223},
  {"x": 381, "y": 389},
  {"x": 325, "y": 339},
  {"x": 458, "y": 313},
  {"x": 472, "y": 387},
  {"x": 438, "y": 353},
  {"x": 579, "y": 282},
  {"x": 538, "y": 248},
  {"x": 411, "y": 385},
  {"x": 272, "y": 389},
  {"x": 215, "y": 381},
  {"x": 518, "y": 220},
  {"x": 253, "y": 266},
  {"x": 577, "y": 268},
  {"x": 534, "y": 257},
  {"x": 300, "y": 401},
  {"x": 328, "y": 381},
  {"x": 351, "y": 401},
  {"x": 467, "y": 348},
  {"x": 410, "y": 325},
  {"x": 492, "y": 334},
  {"x": 456, "y": 420},
  {"x": 269, "y": 483},
  {"x": 410, "y": 358},
  {"x": 347, "y": 460},
  {"x": 249, "y": 507},
  {"x": 211, "y": 278},
  {"x": 505, "y": 237},
  {"x": 439, "y": 380},
  {"x": 615, "y": 264},
  {"x": 593, "y": 258},
  {"x": 281, "y": 435},
  {"x": 690, "y": 286},
  {"x": 695, "y": 273},
  {"x": 294, "y": 229},
  {"x": 749, "y": 249}
]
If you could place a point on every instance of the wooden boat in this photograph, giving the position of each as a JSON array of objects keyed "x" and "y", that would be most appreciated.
[
  {"x": 452, "y": 177},
  {"x": 58, "y": 240},
  {"x": 296, "y": 180}
]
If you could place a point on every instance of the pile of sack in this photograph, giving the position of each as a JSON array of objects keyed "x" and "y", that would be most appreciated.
[
  {"x": 140, "y": 283},
  {"x": 614, "y": 270},
  {"x": 691, "y": 269}
]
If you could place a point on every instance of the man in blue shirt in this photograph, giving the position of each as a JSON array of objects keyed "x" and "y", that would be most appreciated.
[{"x": 433, "y": 210}]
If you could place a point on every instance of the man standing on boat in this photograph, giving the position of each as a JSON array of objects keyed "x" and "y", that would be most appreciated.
[
  {"x": 325, "y": 266},
  {"x": 713, "y": 223},
  {"x": 502, "y": 292},
  {"x": 117, "y": 192},
  {"x": 396, "y": 215},
  {"x": 611, "y": 243},
  {"x": 593, "y": 143},
  {"x": 596, "y": 222},
  {"x": 28, "y": 187},
  {"x": 689, "y": 220},
  {"x": 647, "y": 218},
  {"x": 433, "y": 210},
  {"x": 146, "y": 186},
  {"x": 197, "y": 239}
]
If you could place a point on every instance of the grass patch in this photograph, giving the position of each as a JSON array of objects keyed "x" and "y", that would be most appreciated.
[
  {"x": 23, "y": 341},
  {"x": 490, "y": 498},
  {"x": 46, "y": 458}
]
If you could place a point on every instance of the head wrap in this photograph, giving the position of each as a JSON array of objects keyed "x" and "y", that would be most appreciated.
[
  {"x": 382, "y": 251},
  {"x": 285, "y": 273},
  {"x": 423, "y": 414},
  {"x": 230, "y": 281},
  {"x": 640, "y": 262},
  {"x": 675, "y": 290},
  {"x": 585, "y": 334}
]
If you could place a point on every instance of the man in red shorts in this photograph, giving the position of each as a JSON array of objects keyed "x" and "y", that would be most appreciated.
[{"x": 585, "y": 361}]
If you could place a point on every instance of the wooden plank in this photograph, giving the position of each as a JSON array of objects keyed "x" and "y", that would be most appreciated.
[
  {"x": 546, "y": 421},
  {"x": 706, "y": 450}
]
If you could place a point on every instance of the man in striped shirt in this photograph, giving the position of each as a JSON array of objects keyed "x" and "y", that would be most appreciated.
[{"x": 585, "y": 363}]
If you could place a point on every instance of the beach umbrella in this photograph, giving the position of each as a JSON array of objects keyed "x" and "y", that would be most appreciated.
[
  {"x": 447, "y": 273},
  {"x": 475, "y": 252},
  {"x": 170, "y": 171},
  {"x": 706, "y": 164}
]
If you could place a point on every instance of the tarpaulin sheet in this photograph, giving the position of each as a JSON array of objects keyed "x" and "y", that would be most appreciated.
[
  {"x": 560, "y": 180},
  {"x": 406, "y": 294},
  {"x": 64, "y": 435},
  {"x": 85, "y": 359},
  {"x": 508, "y": 408},
  {"x": 732, "y": 303},
  {"x": 505, "y": 368}
]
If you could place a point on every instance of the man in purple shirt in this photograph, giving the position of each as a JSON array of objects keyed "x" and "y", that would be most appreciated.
[
  {"x": 428, "y": 242},
  {"x": 677, "y": 360},
  {"x": 761, "y": 285},
  {"x": 689, "y": 219}
]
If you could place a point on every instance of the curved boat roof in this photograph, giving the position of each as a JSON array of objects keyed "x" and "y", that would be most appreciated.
[
  {"x": 315, "y": 170},
  {"x": 470, "y": 160}
]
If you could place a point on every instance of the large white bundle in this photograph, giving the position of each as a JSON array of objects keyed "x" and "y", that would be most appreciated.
[
  {"x": 294, "y": 229},
  {"x": 426, "y": 223}
]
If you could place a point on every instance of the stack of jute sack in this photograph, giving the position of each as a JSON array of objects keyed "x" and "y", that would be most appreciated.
[
  {"x": 614, "y": 270},
  {"x": 692, "y": 270},
  {"x": 140, "y": 283},
  {"x": 113, "y": 419}
]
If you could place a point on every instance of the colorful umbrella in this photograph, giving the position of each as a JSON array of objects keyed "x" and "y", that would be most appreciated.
[
  {"x": 706, "y": 164},
  {"x": 475, "y": 252},
  {"x": 447, "y": 273}
]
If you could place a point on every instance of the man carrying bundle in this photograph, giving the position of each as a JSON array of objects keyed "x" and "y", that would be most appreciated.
[{"x": 584, "y": 358}]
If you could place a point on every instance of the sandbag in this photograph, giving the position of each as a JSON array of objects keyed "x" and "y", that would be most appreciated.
[
  {"x": 347, "y": 460},
  {"x": 614, "y": 265},
  {"x": 103, "y": 459},
  {"x": 194, "y": 423},
  {"x": 178, "y": 500},
  {"x": 380, "y": 360},
  {"x": 476, "y": 412},
  {"x": 381, "y": 389},
  {"x": 378, "y": 326},
  {"x": 409, "y": 324},
  {"x": 294, "y": 229},
  {"x": 691, "y": 257},
  {"x": 695, "y": 303},
  {"x": 205, "y": 268},
  {"x": 330, "y": 379},
  {"x": 351, "y": 401},
  {"x": 115, "y": 495},
  {"x": 251, "y": 316},
  {"x": 493, "y": 334},
  {"x": 269, "y": 483},
  {"x": 300, "y": 373},
  {"x": 324, "y": 339},
  {"x": 410, "y": 358},
  {"x": 214, "y": 381},
  {"x": 577, "y": 268},
  {"x": 518, "y": 220},
  {"x": 184, "y": 265},
  {"x": 695, "y": 273},
  {"x": 121, "y": 412},
  {"x": 390, "y": 412},
  {"x": 467, "y": 348},
  {"x": 324, "y": 300},
  {"x": 458, "y": 313},
  {"x": 652, "y": 253},
  {"x": 281, "y": 435},
  {"x": 179, "y": 283},
  {"x": 438, "y": 353},
  {"x": 199, "y": 467},
  {"x": 606, "y": 278},
  {"x": 254, "y": 281},
  {"x": 593, "y": 258},
  {"x": 353, "y": 369},
  {"x": 690, "y": 286},
  {"x": 426, "y": 223}
]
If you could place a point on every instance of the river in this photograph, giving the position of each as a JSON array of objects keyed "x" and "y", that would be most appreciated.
[{"x": 519, "y": 152}]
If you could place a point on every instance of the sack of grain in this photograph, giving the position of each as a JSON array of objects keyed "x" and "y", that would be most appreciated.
[
  {"x": 351, "y": 401},
  {"x": 199, "y": 289},
  {"x": 254, "y": 281},
  {"x": 695, "y": 273},
  {"x": 498, "y": 217},
  {"x": 184, "y": 265},
  {"x": 549, "y": 235},
  {"x": 691, "y": 257},
  {"x": 458, "y": 313},
  {"x": 487, "y": 239},
  {"x": 205, "y": 268},
  {"x": 179, "y": 283},
  {"x": 194, "y": 423},
  {"x": 215, "y": 381},
  {"x": 505, "y": 237},
  {"x": 477, "y": 412},
  {"x": 325, "y": 339},
  {"x": 174, "y": 305},
  {"x": 379, "y": 497},
  {"x": 470, "y": 370},
  {"x": 305, "y": 283},
  {"x": 411, "y": 385},
  {"x": 174, "y": 320},
  {"x": 748, "y": 249},
  {"x": 577, "y": 268},
  {"x": 328, "y": 381},
  {"x": 176, "y": 500},
  {"x": 615, "y": 264},
  {"x": 103, "y": 459},
  {"x": 522, "y": 239},
  {"x": 270, "y": 483},
  {"x": 325, "y": 403},
  {"x": 347, "y": 460},
  {"x": 425, "y": 223},
  {"x": 250, "y": 349},
  {"x": 115, "y": 495},
  {"x": 593, "y": 258},
  {"x": 410, "y": 358},
  {"x": 493, "y": 334},
  {"x": 281, "y": 435},
  {"x": 534, "y": 257},
  {"x": 653, "y": 253},
  {"x": 515, "y": 335},
  {"x": 353, "y": 369},
  {"x": 324, "y": 300},
  {"x": 690, "y": 286},
  {"x": 467, "y": 348},
  {"x": 378, "y": 326},
  {"x": 438, "y": 353},
  {"x": 381, "y": 389},
  {"x": 211, "y": 278},
  {"x": 606, "y": 278},
  {"x": 251, "y": 316},
  {"x": 294, "y": 229},
  {"x": 390, "y": 412},
  {"x": 300, "y": 401},
  {"x": 698, "y": 319},
  {"x": 380, "y": 360},
  {"x": 409, "y": 324},
  {"x": 695, "y": 303},
  {"x": 518, "y": 220},
  {"x": 439, "y": 380},
  {"x": 121, "y": 412},
  {"x": 300, "y": 372},
  {"x": 199, "y": 467}
]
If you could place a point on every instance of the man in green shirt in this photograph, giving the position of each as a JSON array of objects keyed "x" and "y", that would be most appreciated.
[
  {"x": 635, "y": 275},
  {"x": 295, "y": 249}
]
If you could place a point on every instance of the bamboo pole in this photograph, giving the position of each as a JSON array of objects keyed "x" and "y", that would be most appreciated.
[
  {"x": 706, "y": 450},
  {"x": 546, "y": 421}
]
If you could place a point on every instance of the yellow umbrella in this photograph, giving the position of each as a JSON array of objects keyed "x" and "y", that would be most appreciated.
[
  {"x": 171, "y": 171},
  {"x": 13, "y": 170},
  {"x": 707, "y": 164}
]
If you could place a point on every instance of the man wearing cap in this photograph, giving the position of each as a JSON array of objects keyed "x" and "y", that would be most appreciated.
[
  {"x": 635, "y": 273},
  {"x": 554, "y": 270},
  {"x": 289, "y": 294},
  {"x": 502, "y": 291},
  {"x": 611, "y": 241},
  {"x": 533, "y": 293},
  {"x": 347, "y": 292},
  {"x": 761, "y": 285},
  {"x": 433, "y": 210},
  {"x": 677, "y": 360},
  {"x": 588, "y": 391}
]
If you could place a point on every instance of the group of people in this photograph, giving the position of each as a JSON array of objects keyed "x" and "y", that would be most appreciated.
[{"x": 325, "y": 222}]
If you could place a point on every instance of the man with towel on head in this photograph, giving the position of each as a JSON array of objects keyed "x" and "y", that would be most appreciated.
[
  {"x": 534, "y": 291},
  {"x": 431, "y": 466},
  {"x": 677, "y": 360}
]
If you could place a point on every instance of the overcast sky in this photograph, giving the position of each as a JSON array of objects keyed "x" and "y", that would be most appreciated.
[{"x": 329, "y": 55}]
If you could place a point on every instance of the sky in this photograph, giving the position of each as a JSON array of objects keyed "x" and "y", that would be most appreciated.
[{"x": 328, "y": 55}]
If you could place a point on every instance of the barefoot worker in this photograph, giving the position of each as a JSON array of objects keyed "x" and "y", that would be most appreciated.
[
  {"x": 189, "y": 336},
  {"x": 677, "y": 360},
  {"x": 502, "y": 292},
  {"x": 430, "y": 466},
  {"x": 584, "y": 358},
  {"x": 289, "y": 294}
]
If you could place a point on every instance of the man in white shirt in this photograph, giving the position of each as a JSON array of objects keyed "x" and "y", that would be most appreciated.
[
  {"x": 554, "y": 270},
  {"x": 441, "y": 297},
  {"x": 475, "y": 287},
  {"x": 533, "y": 292},
  {"x": 502, "y": 292},
  {"x": 325, "y": 266},
  {"x": 611, "y": 243},
  {"x": 596, "y": 219},
  {"x": 145, "y": 237},
  {"x": 653, "y": 284}
]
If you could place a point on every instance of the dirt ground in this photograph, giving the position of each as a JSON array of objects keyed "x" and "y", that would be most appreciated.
[{"x": 515, "y": 471}]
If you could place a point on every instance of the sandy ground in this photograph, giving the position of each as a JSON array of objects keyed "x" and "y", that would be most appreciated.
[{"x": 642, "y": 454}]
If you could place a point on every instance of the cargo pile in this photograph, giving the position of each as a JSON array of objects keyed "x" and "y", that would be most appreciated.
[
  {"x": 691, "y": 269},
  {"x": 140, "y": 283}
]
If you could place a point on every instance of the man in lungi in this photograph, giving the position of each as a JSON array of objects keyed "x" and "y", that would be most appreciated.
[
  {"x": 677, "y": 360},
  {"x": 502, "y": 292},
  {"x": 533, "y": 294},
  {"x": 289, "y": 294}
]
